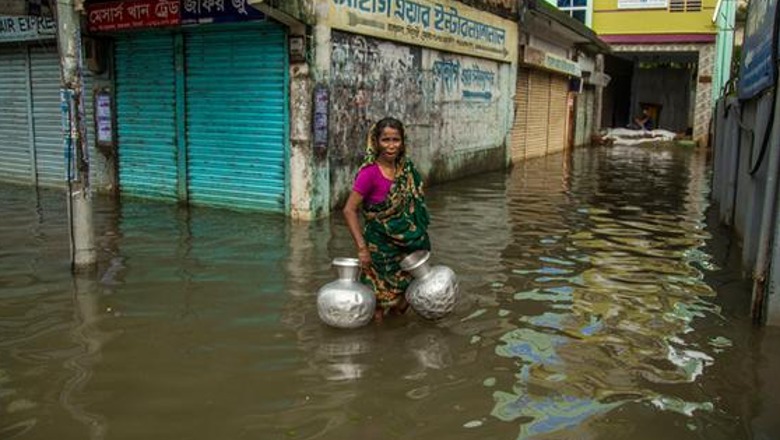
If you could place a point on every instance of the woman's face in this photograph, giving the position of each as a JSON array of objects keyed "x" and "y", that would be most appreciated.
[{"x": 390, "y": 143}]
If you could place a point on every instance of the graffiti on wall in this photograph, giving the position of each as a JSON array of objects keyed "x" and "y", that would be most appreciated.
[
  {"x": 449, "y": 103},
  {"x": 458, "y": 78},
  {"x": 370, "y": 79}
]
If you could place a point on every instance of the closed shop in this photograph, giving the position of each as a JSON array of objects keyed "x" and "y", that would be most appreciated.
[
  {"x": 31, "y": 123},
  {"x": 202, "y": 115},
  {"x": 541, "y": 114}
]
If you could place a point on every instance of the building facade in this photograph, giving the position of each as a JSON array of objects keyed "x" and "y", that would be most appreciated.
[
  {"x": 266, "y": 105},
  {"x": 31, "y": 142},
  {"x": 665, "y": 62},
  {"x": 558, "y": 82}
]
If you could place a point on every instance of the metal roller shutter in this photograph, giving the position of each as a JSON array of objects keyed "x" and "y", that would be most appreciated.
[
  {"x": 558, "y": 124},
  {"x": 47, "y": 116},
  {"x": 146, "y": 116},
  {"x": 519, "y": 134},
  {"x": 236, "y": 117},
  {"x": 15, "y": 124},
  {"x": 538, "y": 117}
]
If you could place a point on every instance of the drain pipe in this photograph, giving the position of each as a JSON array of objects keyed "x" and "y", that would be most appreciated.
[{"x": 767, "y": 228}]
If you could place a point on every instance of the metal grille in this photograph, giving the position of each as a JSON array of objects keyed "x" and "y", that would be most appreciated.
[
  {"x": 693, "y": 5},
  {"x": 236, "y": 118},
  {"x": 47, "y": 117},
  {"x": 146, "y": 110},
  {"x": 520, "y": 125},
  {"x": 15, "y": 130},
  {"x": 538, "y": 114},
  {"x": 676, "y": 5},
  {"x": 557, "y": 123}
]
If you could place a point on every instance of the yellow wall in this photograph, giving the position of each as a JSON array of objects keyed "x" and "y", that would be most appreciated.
[{"x": 608, "y": 19}]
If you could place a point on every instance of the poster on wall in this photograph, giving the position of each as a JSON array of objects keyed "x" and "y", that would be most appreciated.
[
  {"x": 104, "y": 122},
  {"x": 756, "y": 71}
]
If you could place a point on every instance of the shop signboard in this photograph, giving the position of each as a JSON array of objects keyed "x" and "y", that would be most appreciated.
[
  {"x": 142, "y": 14},
  {"x": 756, "y": 71},
  {"x": 135, "y": 14},
  {"x": 548, "y": 61},
  {"x": 26, "y": 28},
  {"x": 446, "y": 25}
]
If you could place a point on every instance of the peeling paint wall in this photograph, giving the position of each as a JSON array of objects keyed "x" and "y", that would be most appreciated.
[{"x": 454, "y": 107}]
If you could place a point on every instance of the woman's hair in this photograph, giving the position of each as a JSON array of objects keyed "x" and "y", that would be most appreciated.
[{"x": 389, "y": 123}]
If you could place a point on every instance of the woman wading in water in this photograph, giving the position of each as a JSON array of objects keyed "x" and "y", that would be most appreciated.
[{"x": 389, "y": 192}]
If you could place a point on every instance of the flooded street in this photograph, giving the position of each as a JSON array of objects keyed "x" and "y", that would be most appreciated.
[{"x": 601, "y": 301}]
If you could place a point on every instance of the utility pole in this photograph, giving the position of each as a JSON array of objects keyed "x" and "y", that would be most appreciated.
[{"x": 82, "y": 243}]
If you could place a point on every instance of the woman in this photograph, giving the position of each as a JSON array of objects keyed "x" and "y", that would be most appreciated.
[{"x": 388, "y": 190}]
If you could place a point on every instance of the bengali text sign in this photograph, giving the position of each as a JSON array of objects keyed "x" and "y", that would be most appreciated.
[{"x": 444, "y": 24}]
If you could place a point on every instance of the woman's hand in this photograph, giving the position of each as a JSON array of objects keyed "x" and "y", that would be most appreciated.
[{"x": 365, "y": 257}]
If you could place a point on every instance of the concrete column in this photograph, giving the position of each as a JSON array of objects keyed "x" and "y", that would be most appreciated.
[
  {"x": 703, "y": 105},
  {"x": 598, "y": 99},
  {"x": 83, "y": 254}
]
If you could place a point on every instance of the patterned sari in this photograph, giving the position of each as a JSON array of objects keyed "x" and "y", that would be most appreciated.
[{"x": 393, "y": 229}]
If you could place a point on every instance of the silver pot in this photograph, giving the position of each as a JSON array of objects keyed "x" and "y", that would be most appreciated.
[
  {"x": 346, "y": 303},
  {"x": 434, "y": 290}
]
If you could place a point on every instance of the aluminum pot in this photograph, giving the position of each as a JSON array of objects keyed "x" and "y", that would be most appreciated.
[
  {"x": 346, "y": 303},
  {"x": 434, "y": 290}
]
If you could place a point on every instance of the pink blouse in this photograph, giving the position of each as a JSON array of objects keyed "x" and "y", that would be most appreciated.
[{"x": 372, "y": 184}]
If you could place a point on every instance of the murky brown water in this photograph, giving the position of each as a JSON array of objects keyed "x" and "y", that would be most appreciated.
[{"x": 599, "y": 305}]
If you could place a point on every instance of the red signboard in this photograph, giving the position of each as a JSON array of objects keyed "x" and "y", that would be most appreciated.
[{"x": 120, "y": 15}]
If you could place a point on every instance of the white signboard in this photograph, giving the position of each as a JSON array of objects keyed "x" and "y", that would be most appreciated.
[
  {"x": 25, "y": 28},
  {"x": 643, "y": 4}
]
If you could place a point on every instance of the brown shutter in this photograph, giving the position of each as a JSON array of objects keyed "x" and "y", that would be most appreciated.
[
  {"x": 558, "y": 114},
  {"x": 520, "y": 125},
  {"x": 538, "y": 117}
]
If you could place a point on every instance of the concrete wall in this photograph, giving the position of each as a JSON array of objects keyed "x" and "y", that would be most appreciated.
[
  {"x": 608, "y": 19},
  {"x": 668, "y": 87},
  {"x": 745, "y": 188},
  {"x": 457, "y": 109}
]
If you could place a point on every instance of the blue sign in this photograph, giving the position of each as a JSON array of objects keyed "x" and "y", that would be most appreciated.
[
  {"x": 218, "y": 11},
  {"x": 757, "y": 72}
]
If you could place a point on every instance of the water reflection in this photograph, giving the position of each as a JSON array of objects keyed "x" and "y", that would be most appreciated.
[{"x": 596, "y": 307}]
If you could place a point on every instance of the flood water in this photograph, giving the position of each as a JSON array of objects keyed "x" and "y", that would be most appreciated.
[{"x": 601, "y": 301}]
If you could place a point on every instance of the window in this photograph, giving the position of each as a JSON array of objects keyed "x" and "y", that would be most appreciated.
[
  {"x": 684, "y": 5},
  {"x": 578, "y": 9}
]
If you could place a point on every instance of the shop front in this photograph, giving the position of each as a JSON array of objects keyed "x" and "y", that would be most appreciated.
[
  {"x": 543, "y": 121},
  {"x": 201, "y": 94},
  {"x": 31, "y": 143}
]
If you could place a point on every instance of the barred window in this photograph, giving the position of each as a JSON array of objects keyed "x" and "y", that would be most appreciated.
[{"x": 684, "y": 5}]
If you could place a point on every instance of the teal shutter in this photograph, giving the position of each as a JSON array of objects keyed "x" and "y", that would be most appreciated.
[
  {"x": 236, "y": 117},
  {"x": 146, "y": 116},
  {"x": 15, "y": 158},
  {"x": 47, "y": 116}
]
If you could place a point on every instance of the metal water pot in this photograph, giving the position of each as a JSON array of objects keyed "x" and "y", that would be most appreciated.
[
  {"x": 434, "y": 290},
  {"x": 346, "y": 303}
]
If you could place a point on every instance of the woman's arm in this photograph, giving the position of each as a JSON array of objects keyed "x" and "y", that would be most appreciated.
[{"x": 350, "y": 211}]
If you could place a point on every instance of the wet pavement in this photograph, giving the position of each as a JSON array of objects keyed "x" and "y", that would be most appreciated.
[{"x": 602, "y": 301}]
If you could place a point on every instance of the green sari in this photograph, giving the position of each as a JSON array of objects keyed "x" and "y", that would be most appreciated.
[{"x": 393, "y": 229}]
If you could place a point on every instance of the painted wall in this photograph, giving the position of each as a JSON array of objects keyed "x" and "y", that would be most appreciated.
[
  {"x": 608, "y": 19},
  {"x": 456, "y": 108}
]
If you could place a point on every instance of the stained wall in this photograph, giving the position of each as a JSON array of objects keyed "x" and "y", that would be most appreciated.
[{"x": 456, "y": 108}]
